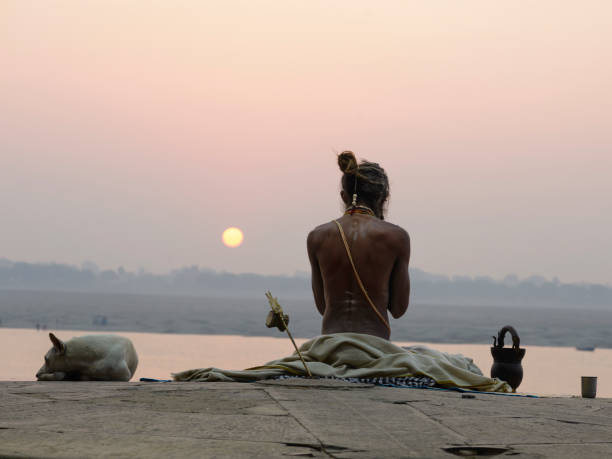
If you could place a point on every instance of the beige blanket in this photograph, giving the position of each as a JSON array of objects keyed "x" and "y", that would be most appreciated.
[{"x": 355, "y": 355}]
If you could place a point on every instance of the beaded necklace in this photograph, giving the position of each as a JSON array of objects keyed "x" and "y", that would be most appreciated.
[{"x": 359, "y": 210}]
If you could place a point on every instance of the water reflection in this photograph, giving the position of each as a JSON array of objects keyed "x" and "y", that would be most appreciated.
[{"x": 548, "y": 370}]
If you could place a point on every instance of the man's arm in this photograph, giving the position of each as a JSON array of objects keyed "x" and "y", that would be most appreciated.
[
  {"x": 399, "y": 284},
  {"x": 317, "y": 280}
]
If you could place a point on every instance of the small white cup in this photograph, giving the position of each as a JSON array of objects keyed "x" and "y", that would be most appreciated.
[{"x": 589, "y": 386}]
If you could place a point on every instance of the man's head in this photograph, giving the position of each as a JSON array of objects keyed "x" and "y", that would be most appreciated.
[{"x": 367, "y": 179}]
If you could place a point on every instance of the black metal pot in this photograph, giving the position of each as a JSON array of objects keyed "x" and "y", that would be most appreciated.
[{"x": 507, "y": 361}]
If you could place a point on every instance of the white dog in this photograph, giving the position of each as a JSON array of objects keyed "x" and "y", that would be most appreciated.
[{"x": 92, "y": 357}]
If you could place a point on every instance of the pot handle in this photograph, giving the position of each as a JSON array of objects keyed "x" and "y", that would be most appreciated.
[{"x": 516, "y": 341}]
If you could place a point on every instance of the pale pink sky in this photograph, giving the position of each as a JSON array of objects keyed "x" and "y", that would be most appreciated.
[{"x": 132, "y": 133}]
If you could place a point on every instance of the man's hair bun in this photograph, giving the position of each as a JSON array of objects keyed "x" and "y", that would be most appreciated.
[{"x": 347, "y": 162}]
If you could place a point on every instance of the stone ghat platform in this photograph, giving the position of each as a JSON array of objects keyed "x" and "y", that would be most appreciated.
[{"x": 307, "y": 418}]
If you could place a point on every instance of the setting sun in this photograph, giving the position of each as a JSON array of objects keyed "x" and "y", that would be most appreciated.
[{"x": 232, "y": 237}]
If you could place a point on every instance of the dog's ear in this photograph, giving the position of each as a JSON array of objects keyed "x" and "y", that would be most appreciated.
[{"x": 58, "y": 344}]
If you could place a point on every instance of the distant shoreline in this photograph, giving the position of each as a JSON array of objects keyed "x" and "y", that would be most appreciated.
[
  {"x": 245, "y": 317},
  {"x": 427, "y": 288}
]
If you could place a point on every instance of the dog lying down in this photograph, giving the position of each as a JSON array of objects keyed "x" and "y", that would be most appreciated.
[{"x": 89, "y": 358}]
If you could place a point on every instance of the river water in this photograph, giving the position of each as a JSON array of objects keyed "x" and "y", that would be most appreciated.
[{"x": 547, "y": 370}]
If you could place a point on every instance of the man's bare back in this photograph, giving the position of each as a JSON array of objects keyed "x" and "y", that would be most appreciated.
[{"x": 381, "y": 253}]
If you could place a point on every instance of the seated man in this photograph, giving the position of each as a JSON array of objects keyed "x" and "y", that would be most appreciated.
[
  {"x": 360, "y": 262},
  {"x": 359, "y": 271}
]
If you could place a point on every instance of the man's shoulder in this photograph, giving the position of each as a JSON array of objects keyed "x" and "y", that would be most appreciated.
[
  {"x": 323, "y": 227},
  {"x": 394, "y": 229},
  {"x": 395, "y": 236},
  {"x": 320, "y": 231},
  {"x": 388, "y": 229}
]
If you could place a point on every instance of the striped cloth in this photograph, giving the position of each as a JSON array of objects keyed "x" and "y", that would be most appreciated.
[{"x": 418, "y": 382}]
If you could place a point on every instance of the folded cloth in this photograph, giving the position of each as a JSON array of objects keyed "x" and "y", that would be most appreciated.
[{"x": 356, "y": 355}]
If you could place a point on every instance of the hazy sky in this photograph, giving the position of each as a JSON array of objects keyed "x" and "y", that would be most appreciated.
[{"x": 134, "y": 132}]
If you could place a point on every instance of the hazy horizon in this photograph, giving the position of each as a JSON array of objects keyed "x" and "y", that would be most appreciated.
[
  {"x": 94, "y": 267},
  {"x": 134, "y": 133},
  {"x": 193, "y": 281}
]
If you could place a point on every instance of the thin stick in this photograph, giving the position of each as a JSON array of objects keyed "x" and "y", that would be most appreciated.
[
  {"x": 279, "y": 310},
  {"x": 296, "y": 348}
]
